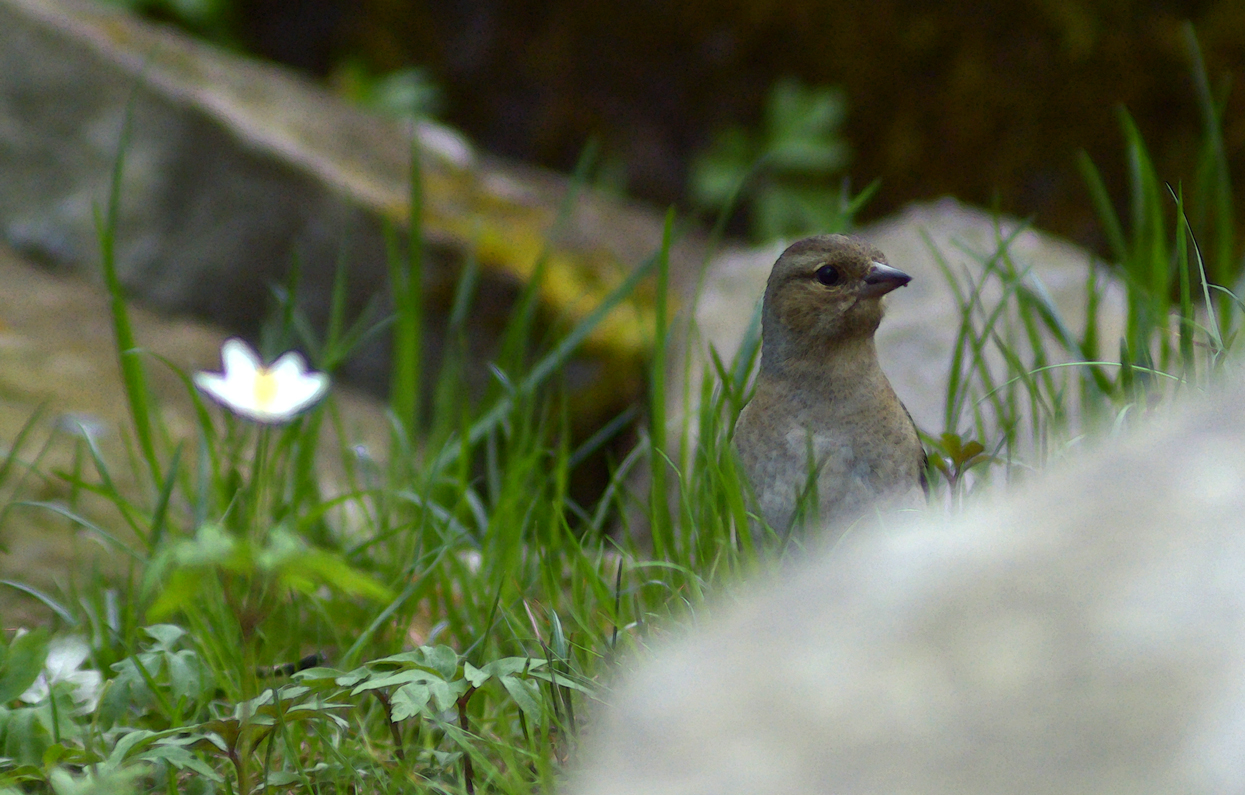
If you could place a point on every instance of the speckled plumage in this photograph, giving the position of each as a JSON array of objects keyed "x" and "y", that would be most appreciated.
[{"x": 820, "y": 385}]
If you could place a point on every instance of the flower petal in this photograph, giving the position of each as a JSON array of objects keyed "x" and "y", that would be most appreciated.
[
  {"x": 239, "y": 358},
  {"x": 298, "y": 393},
  {"x": 290, "y": 363},
  {"x": 220, "y": 388},
  {"x": 269, "y": 395}
]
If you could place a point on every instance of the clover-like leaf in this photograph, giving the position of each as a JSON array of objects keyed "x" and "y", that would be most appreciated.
[
  {"x": 445, "y": 694},
  {"x": 475, "y": 676},
  {"x": 441, "y": 659},
  {"x": 409, "y": 700}
]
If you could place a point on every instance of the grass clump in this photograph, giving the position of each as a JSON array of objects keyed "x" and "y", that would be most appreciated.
[
  {"x": 452, "y": 605},
  {"x": 1024, "y": 384}
]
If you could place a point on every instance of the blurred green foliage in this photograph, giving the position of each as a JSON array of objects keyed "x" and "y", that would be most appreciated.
[
  {"x": 405, "y": 92},
  {"x": 212, "y": 19},
  {"x": 786, "y": 172}
]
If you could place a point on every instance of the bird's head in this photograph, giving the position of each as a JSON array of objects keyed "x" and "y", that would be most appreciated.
[{"x": 825, "y": 291}]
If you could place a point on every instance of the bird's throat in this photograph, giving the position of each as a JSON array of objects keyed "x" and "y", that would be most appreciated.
[{"x": 838, "y": 362}]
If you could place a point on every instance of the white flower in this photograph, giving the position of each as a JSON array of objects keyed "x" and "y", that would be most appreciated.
[
  {"x": 65, "y": 657},
  {"x": 264, "y": 394}
]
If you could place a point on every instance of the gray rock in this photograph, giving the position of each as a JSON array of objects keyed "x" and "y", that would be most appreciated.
[
  {"x": 1084, "y": 634},
  {"x": 235, "y": 166}
]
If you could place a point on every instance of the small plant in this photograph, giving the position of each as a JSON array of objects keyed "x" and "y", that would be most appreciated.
[
  {"x": 404, "y": 93},
  {"x": 953, "y": 458},
  {"x": 787, "y": 174}
]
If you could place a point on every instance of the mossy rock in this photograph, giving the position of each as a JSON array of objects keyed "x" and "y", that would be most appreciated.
[{"x": 236, "y": 168}]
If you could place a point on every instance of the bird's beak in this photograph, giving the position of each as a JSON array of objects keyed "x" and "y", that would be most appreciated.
[{"x": 881, "y": 279}]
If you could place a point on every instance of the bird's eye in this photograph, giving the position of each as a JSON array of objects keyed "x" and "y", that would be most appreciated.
[{"x": 828, "y": 275}]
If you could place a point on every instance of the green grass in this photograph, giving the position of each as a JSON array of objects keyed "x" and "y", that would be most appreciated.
[
  {"x": 1025, "y": 385},
  {"x": 466, "y": 608},
  {"x": 468, "y": 611}
]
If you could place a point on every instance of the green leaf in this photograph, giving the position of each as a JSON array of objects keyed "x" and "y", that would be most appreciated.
[
  {"x": 189, "y": 676},
  {"x": 302, "y": 567},
  {"x": 353, "y": 678},
  {"x": 23, "y": 661},
  {"x": 512, "y": 665},
  {"x": 803, "y": 127},
  {"x": 474, "y": 675},
  {"x": 332, "y": 570},
  {"x": 951, "y": 444},
  {"x": 396, "y": 679},
  {"x": 441, "y": 659},
  {"x": 23, "y": 736},
  {"x": 97, "y": 782},
  {"x": 562, "y": 681},
  {"x": 182, "y": 588},
  {"x": 971, "y": 449},
  {"x": 319, "y": 678},
  {"x": 715, "y": 175},
  {"x": 445, "y": 694},
  {"x": 526, "y": 693},
  {"x": 410, "y": 700},
  {"x": 213, "y": 545},
  {"x": 282, "y": 778},
  {"x": 404, "y": 659},
  {"x": 179, "y": 673},
  {"x": 165, "y": 635}
]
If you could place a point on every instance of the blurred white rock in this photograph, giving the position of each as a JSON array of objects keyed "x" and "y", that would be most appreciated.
[{"x": 1083, "y": 634}]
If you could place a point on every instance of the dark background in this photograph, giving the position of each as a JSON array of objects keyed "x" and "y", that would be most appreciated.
[{"x": 988, "y": 102}]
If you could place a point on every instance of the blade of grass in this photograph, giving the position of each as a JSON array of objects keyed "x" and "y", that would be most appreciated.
[
  {"x": 406, "y": 284},
  {"x": 1112, "y": 229},
  {"x": 56, "y": 607},
  {"x": 547, "y": 366},
  {"x": 1223, "y": 268},
  {"x": 85, "y": 523},
  {"x": 659, "y": 509},
  {"x": 10, "y": 456},
  {"x": 133, "y": 376}
]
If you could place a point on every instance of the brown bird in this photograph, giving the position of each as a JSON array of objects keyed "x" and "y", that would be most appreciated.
[{"x": 820, "y": 390}]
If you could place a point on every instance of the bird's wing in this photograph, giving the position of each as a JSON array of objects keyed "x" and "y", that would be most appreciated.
[{"x": 924, "y": 455}]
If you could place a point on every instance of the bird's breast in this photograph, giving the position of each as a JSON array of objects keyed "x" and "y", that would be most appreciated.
[{"x": 861, "y": 451}]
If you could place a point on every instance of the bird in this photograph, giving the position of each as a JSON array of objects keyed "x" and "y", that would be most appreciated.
[{"x": 821, "y": 392}]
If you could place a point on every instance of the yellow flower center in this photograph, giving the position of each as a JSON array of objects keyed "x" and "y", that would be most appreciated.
[{"x": 265, "y": 388}]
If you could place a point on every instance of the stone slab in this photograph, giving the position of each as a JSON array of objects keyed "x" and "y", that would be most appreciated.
[
  {"x": 1082, "y": 634},
  {"x": 234, "y": 167}
]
